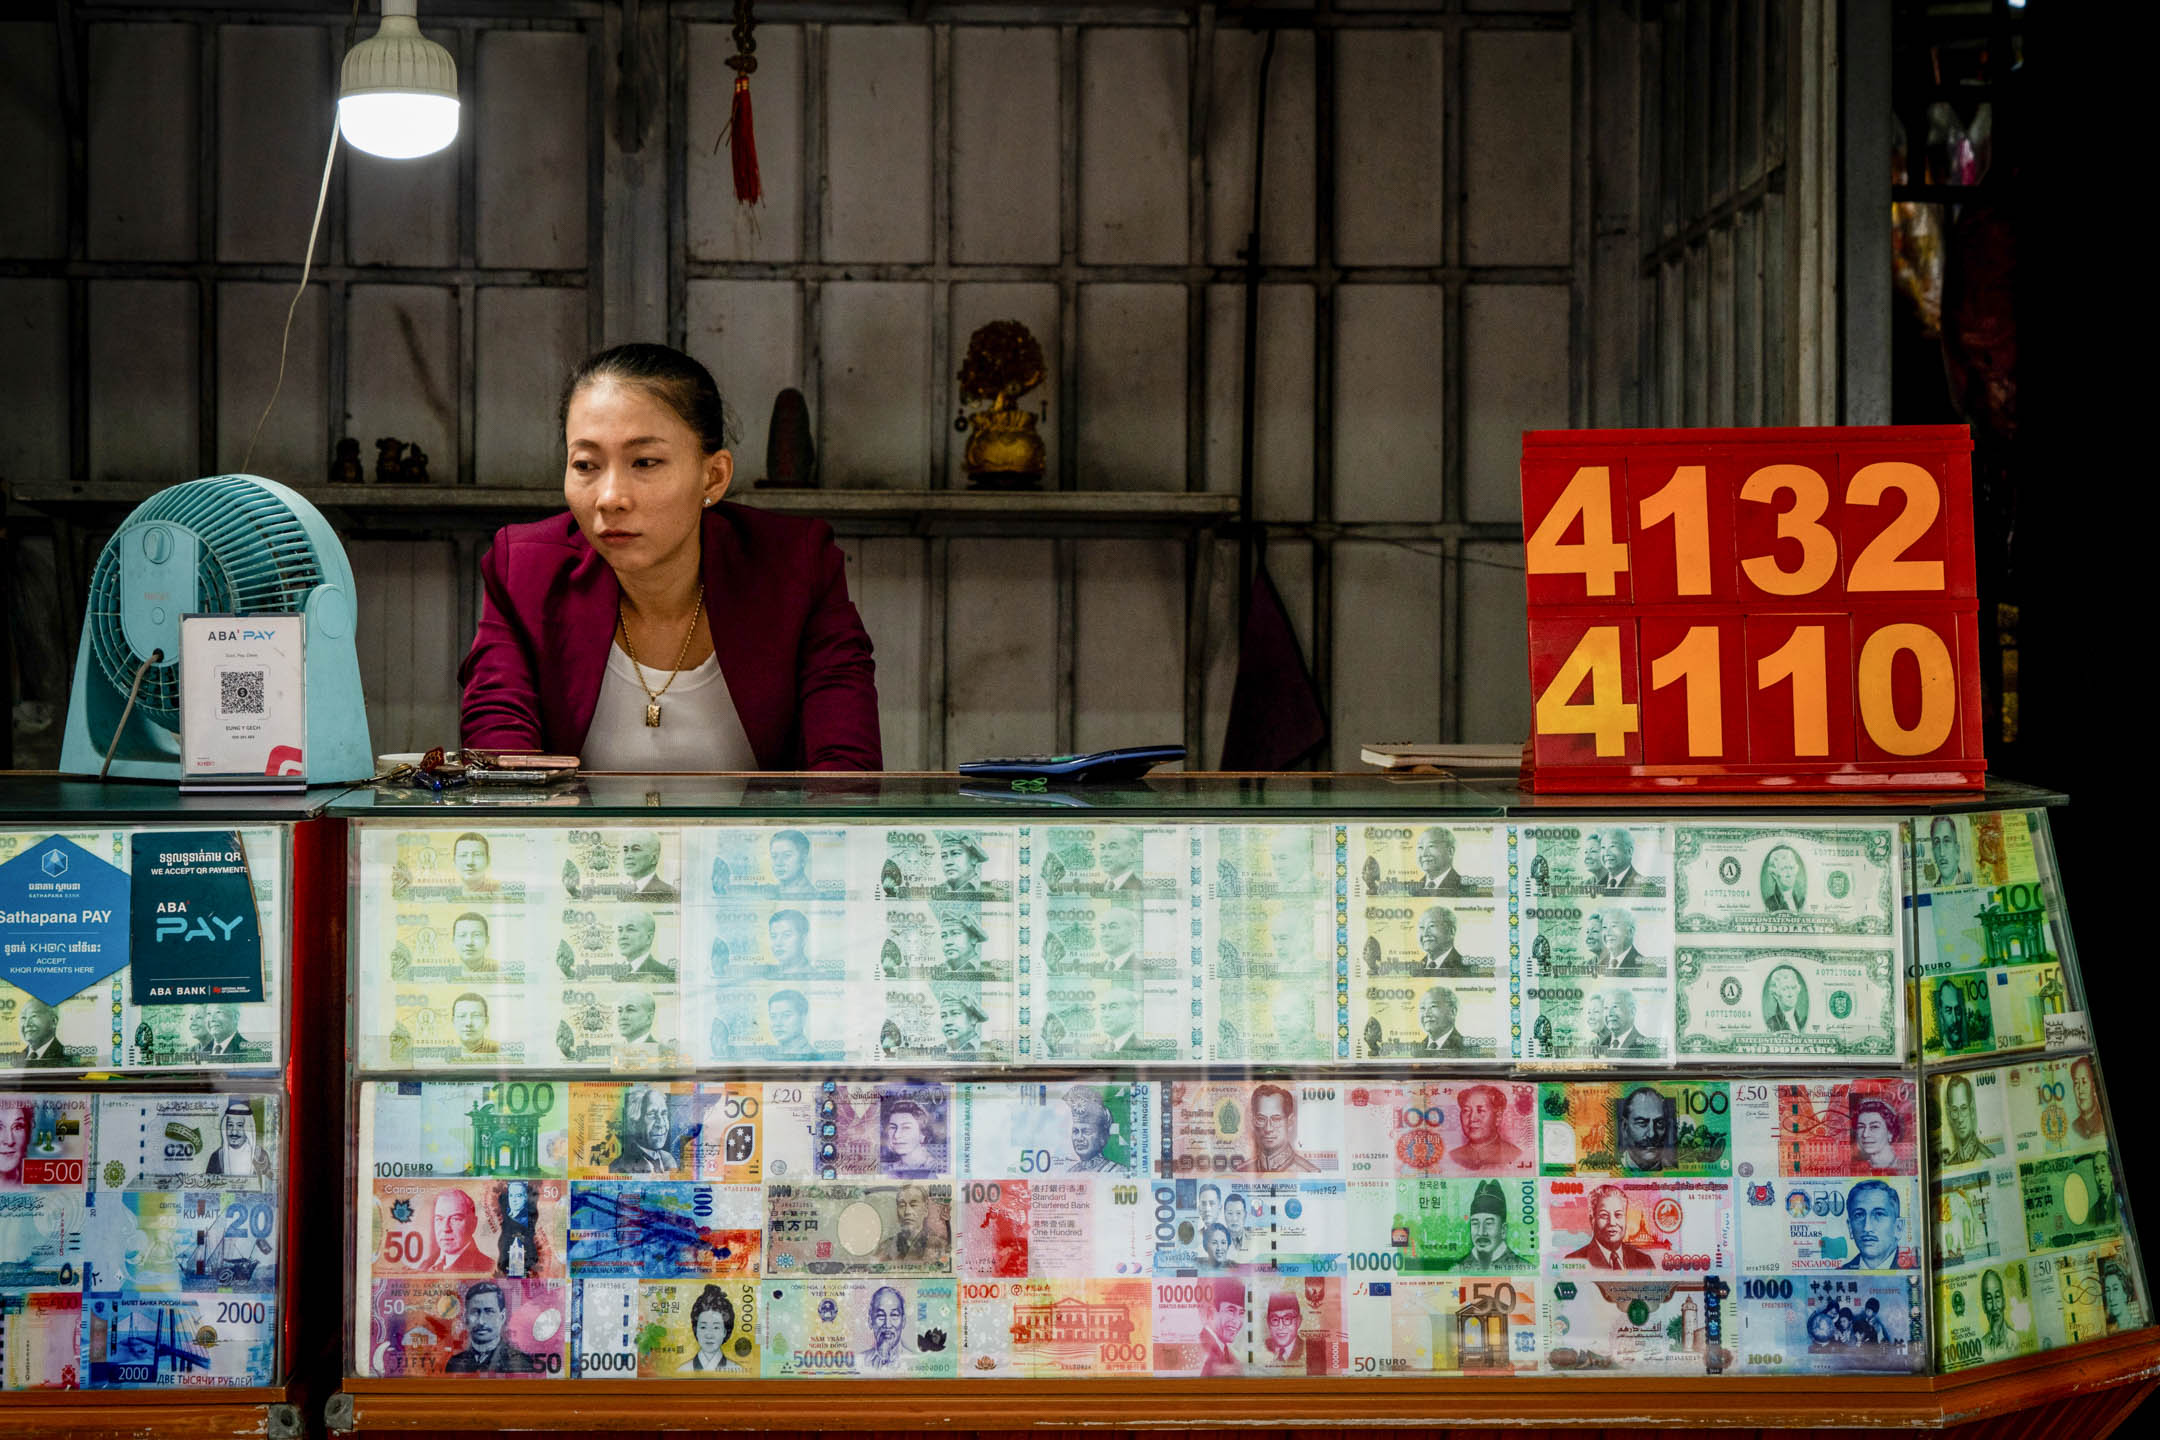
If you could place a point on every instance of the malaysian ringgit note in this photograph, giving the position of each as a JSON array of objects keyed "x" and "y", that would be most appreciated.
[
  {"x": 1009, "y": 1128},
  {"x": 1794, "y": 880},
  {"x": 1788, "y": 1003},
  {"x": 1055, "y": 1328},
  {"x": 1440, "y": 1127},
  {"x": 1828, "y": 1325},
  {"x": 1072, "y": 1225},
  {"x": 1444, "y": 1226},
  {"x": 419, "y": 1128},
  {"x": 425, "y": 1326},
  {"x": 661, "y": 1229},
  {"x": 664, "y": 1330},
  {"x": 1648, "y": 1127},
  {"x": 1434, "y": 1325},
  {"x": 504, "y": 1228},
  {"x": 825, "y": 1329},
  {"x": 1669, "y": 1226},
  {"x": 836, "y": 1228}
]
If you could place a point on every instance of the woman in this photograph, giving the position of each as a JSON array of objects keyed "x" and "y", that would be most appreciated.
[
  {"x": 712, "y": 1321},
  {"x": 654, "y": 628}
]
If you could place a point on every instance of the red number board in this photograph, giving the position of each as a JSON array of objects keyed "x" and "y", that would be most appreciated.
[{"x": 1752, "y": 609}]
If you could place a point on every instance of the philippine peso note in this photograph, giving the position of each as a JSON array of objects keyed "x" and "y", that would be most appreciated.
[
  {"x": 489, "y": 867},
  {"x": 1731, "y": 879},
  {"x": 849, "y": 1129},
  {"x": 1427, "y": 1325},
  {"x": 171, "y": 1142},
  {"x": 1606, "y": 1018},
  {"x": 1440, "y": 1127},
  {"x": 1866, "y": 1125},
  {"x": 1439, "y": 860},
  {"x": 1585, "y": 862},
  {"x": 182, "y": 1242},
  {"x": 1294, "y": 1227},
  {"x": 135, "y": 1341},
  {"x": 1227, "y": 1127},
  {"x": 1413, "y": 1018},
  {"x": 1653, "y": 1327},
  {"x": 429, "y": 1027},
  {"x": 1076, "y": 1128},
  {"x": 2084, "y": 1294},
  {"x": 623, "y": 942},
  {"x": 769, "y": 1022},
  {"x": 1819, "y": 1325},
  {"x": 428, "y": 1325},
  {"x": 664, "y": 1329},
  {"x": 836, "y": 1228},
  {"x": 1270, "y": 966},
  {"x": 664, "y": 1229},
  {"x": 41, "y": 1237},
  {"x": 1807, "y": 1225},
  {"x": 421, "y": 1128},
  {"x": 836, "y": 1329},
  {"x": 1443, "y": 1226},
  {"x": 638, "y": 864},
  {"x": 766, "y": 862},
  {"x": 1055, "y": 1328},
  {"x": 1984, "y": 1314},
  {"x": 1979, "y": 1215},
  {"x": 1787, "y": 1003},
  {"x": 1654, "y": 1127},
  {"x": 1675, "y": 1227},
  {"x": 41, "y": 1339},
  {"x": 972, "y": 863},
  {"x": 504, "y": 1228},
  {"x": 631, "y": 1025},
  {"x": 1078, "y": 1225},
  {"x": 1985, "y": 1012},
  {"x": 2055, "y": 1107},
  {"x": 2069, "y": 1200},
  {"x": 1269, "y": 862}
]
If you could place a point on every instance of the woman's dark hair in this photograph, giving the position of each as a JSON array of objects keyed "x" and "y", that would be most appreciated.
[
  {"x": 666, "y": 374},
  {"x": 712, "y": 1298}
]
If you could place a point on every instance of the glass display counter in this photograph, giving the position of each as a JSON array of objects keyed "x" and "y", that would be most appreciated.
[
  {"x": 169, "y": 970},
  {"x": 880, "y": 1101}
]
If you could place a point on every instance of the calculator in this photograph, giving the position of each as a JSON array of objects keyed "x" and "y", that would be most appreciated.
[{"x": 1127, "y": 763}]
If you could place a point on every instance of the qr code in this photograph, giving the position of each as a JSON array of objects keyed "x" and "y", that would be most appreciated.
[{"x": 240, "y": 692}]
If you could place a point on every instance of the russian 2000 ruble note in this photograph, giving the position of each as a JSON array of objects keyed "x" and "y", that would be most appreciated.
[{"x": 135, "y": 1341}]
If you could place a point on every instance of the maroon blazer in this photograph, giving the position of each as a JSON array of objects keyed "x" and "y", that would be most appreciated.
[{"x": 791, "y": 647}]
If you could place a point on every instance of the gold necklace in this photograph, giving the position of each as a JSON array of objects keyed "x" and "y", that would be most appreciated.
[{"x": 652, "y": 696}]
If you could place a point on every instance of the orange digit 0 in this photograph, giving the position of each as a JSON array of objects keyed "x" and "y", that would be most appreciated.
[{"x": 1938, "y": 689}]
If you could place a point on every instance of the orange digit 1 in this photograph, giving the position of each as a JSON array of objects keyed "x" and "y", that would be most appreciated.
[
  {"x": 1938, "y": 689},
  {"x": 1597, "y": 557},
  {"x": 1695, "y": 660},
  {"x": 1882, "y": 565},
  {"x": 1818, "y": 547},
  {"x": 1685, "y": 500},
  {"x": 1802, "y": 661},
  {"x": 1605, "y": 715}
]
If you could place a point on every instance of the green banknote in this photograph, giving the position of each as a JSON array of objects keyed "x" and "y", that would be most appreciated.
[
  {"x": 1788, "y": 1002},
  {"x": 1731, "y": 879},
  {"x": 1984, "y": 1012},
  {"x": 2069, "y": 1200},
  {"x": 1444, "y": 1225},
  {"x": 1984, "y": 1314}
]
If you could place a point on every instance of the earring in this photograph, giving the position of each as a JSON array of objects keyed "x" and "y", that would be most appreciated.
[{"x": 708, "y": 502}]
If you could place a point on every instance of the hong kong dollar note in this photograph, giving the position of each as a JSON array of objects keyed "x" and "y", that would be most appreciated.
[{"x": 1056, "y": 1328}]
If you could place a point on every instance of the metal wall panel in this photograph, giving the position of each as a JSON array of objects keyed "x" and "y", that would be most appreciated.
[
  {"x": 145, "y": 81},
  {"x": 1517, "y": 148},
  {"x": 530, "y": 341},
  {"x": 877, "y": 143},
  {"x": 1134, "y": 188},
  {"x": 1283, "y": 401},
  {"x": 874, "y": 344},
  {"x": 720, "y": 228},
  {"x": 34, "y": 377},
  {"x": 1005, "y": 165},
  {"x": 532, "y": 133},
  {"x": 403, "y": 212},
  {"x": 1287, "y": 219},
  {"x": 1389, "y": 425},
  {"x": 1001, "y": 648},
  {"x": 33, "y": 162},
  {"x": 749, "y": 334},
  {"x": 1132, "y": 387},
  {"x": 1389, "y": 135},
  {"x": 143, "y": 395},
  {"x": 251, "y": 323},
  {"x": 1516, "y": 355},
  {"x": 401, "y": 370},
  {"x": 275, "y": 113},
  {"x": 1129, "y": 603}
]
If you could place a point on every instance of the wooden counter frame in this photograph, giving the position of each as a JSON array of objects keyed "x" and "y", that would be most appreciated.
[{"x": 272, "y": 1412}]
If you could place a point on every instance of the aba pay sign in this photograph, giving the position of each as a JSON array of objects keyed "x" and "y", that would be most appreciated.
[
  {"x": 196, "y": 937},
  {"x": 63, "y": 919}
]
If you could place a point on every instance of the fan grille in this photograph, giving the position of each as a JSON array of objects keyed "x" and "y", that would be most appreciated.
[{"x": 256, "y": 559}]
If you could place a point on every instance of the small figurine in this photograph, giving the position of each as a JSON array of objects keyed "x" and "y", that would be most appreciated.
[
  {"x": 415, "y": 464},
  {"x": 790, "y": 453},
  {"x": 389, "y": 468},
  {"x": 345, "y": 469},
  {"x": 1004, "y": 452}
]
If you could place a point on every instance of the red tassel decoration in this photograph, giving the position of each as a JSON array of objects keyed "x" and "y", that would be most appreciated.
[{"x": 741, "y": 130}]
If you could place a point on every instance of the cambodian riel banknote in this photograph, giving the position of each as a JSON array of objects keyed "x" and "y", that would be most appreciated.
[
  {"x": 1122, "y": 934},
  {"x": 45, "y": 1141},
  {"x": 138, "y": 1341},
  {"x": 182, "y": 1242},
  {"x": 1434, "y": 859},
  {"x": 765, "y": 862},
  {"x": 2084, "y": 1294},
  {"x": 455, "y": 943},
  {"x": 1440, "y": 1226},
  {"x": 1650, "y": 1127},
  {"x": 1120, "y": 1019},
  {"x": 1984, "y": 1313},
  {"x": 854, "y": 1129},
  {"x": 41, "y": 1237},
  {"x": 425, "y": 1326},
  {"x": 1270, "y": 968},
  {"x": 1134, "y": 861},
  {"x": 2055, "y": 1106},
  {"x": 1578, "y": 938},
  {"x": 665, "y": 1229},
  {"x": 1294, "y": 1227},
  {"x": 447, "y": 1026},
  {"x": 940, "y": 940},
  {"x": 1805, "y": 1225},
  {"x": 492, "y": 867},
  {"x": 1982, "y": 1012},
  {"x": 787, "y": 1023},
  {"x": 172, "y": 1142},
  {"x": 637, "y": 864},
  {"x": 1269, "y": 862},
  {"x": 1821, "y": 1324},
  {"x": 624, "y": 1329},
  {"x": 1442, "y": 1325},
  {"x": 1043, "y": 1226},
  {"x": 1589, "y": 862},
  {"x": 1230, "y": 1127},
  {"x": 1419, "y": 1018},
  {"x": 1427, "y": 939},
  {"x": 1010, "y": 1129},
  {"x": 627, "y": 1025},
  {"x": 1601, "y": 1017},
  {"x": 1593, "y": 1325},
  {"x": 1667, "y": 1226},
  {"x": 841, "y": 1228},
  {"x": 1788, "y": 1003},
  {"x": 923, "y": 1022},
  {"x": 748, "y": 940},
  {"x": 2068, "y": 1200},
  {"x": 1792, "y": 880},
  {"x": 76, "y": 1034},
  {"x": 443, "y": 1128},
  {"x": 506, "y": 1228},
  {"x": 831, "y": 1328},
  {"x": 1056, "y": 1328},
  {"x": 1864, "y": 1125},
  {"x": 913, "y": 863},
  {"x": 618, "y": 942},
  {"x": 41, "y": 1339},
  {"x": 671, "y": 1129},
  {"x": 1979, "y": 1215},
  {"x": 1440, "y": 1127}
]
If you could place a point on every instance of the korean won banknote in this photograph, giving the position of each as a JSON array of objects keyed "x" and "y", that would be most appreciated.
[
  {"x": 665, "y": 1329},
  {"x": 1441, "y": 1226}
]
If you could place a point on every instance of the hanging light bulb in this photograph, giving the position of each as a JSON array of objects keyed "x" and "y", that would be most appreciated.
[{"x": 397, "y": 94}]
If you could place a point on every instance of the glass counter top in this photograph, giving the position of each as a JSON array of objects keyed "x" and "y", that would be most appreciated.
[{"x": 43, "y": 797}]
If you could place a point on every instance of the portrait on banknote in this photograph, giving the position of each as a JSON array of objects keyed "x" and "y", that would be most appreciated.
[
  {"x": 1448, "y": 860},
  {"x": 1966, "y": 1116}
]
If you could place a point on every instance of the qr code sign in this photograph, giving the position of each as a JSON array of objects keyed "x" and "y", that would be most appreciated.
[{"x": 240, "y": 692}]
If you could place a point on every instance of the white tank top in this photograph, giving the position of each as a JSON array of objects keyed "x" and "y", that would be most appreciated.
[{"x": 699, "y": 728}]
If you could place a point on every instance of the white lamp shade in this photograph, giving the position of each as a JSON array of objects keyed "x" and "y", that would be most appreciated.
[{"x": 397, "y": 92}]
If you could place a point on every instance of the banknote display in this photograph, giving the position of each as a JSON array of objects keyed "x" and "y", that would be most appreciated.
[
  {"x": 1125, "y": 1019},
  {"x": 1984, "y": 1012},
  {"x": 1229, "y": 1127},
  {"x": 1983, "y": 1314},
  {"x": 944, "y": 940},
  {"x": 1864, "y": 1126},
  {"x": 1055, "y": 1227},
  {"x": 188, "y": 1142},
  {"x": 1579, "y": 862},
  {"x": 1597, "y": 1018},
  {"x": 663, "y": 1229},
  {"x": 845, "y": 1129},
  {"x": 76, "y": 1034},
  {"x": 1647, "y": 1326},
  {"x": 1652, "y": 1127},
  {"x": 621, "y": 942},
  {"x": 1438, "y": 1020},
  {"x": 1430, "y": 939},
  {"x": 1297, "y": 1328},
  {"x": 907, "y": 863},
  {"x": 459, "y": 945},
  {"x": 1824, "y": 1325},
  {"x": 734, "y": 942},
  {"x": 422, "y": 1026},
  {"x": 1294, "y": 1227},
  {"x": 1201, "y": 1325},
  {"x": 1443, "y": 1227},
  {"x": 892, "y": 1329},
  {"x": 445, "y": 1128},
  {"x": 1804, "y": 1225},
  {"x": 674, "y": 1129},
  {"x": 617, "y": 1025},
  {"x": 427, "y": 1326},
  {"x": 2055, "y": 1107},
  {"x": 144, "y": 1341},
  {"x": 502, "y": 1228},
  {"x": 1439, "y": 860},
  {"x": 41, "y": 1237},
  {"x": 1270, "y": 971},
  {"x": 1663, "y": 1226},
  {"x": 1440, "y": 1127},
  {"x": 1787, "y": 1003},
  {"x": 1075, "y": 1128},
  {"x": 665, "y": 1329},
  {"x": 1993, "y": 848},
  {"x": 1136, "y": 862},
  {"x": 45, "y": 1141},
  {"x": 1435, "y": 1325},
  {"x": 1802, "y": 880},
  {"x": 925, "y": 1023},
  {"x": 1049, "y": 1329},
  {"x": 491, "y": 867},
  {"x": 900, "y": 1228},
  {"x": 43, "y": 1334}
]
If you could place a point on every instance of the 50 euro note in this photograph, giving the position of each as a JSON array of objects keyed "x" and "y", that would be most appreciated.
[
  {"x": 1594, "y": 1325},
  {"x": 1790, "y": 880},
  {"x": 427, "y": 1326},
  {"x": 624, "y": 1329},
  {"x": 1666, "y": 1227},
  {"x": 834, "y": 1328},
  {"x": 1649, "y": 1127},
  {"x": 1787, "y": 1003},
  {"x": 1985, "y": 1012},
  {"x": 1269, "y": 862},
  {"x": 506, "y": 1228},
  {"x": 1440, "y": 1127},
  {"x": 1828, "y": 1325},
  {"x": 1056, "y": 1328},
  {"x": 1433, "y": 859},
  {"x": 139, "y": 1341},
  {"x": 1603, "y": 1018},
  {"x": 1433, "y": 1325},
  {"x": 1016, "y": 1129},
  {"x": 1270, "y": 966},
  {"x": 664, "y": 1229},
  {"x": 1984, "y": 1313},
  {"x": 443, "y": 1128},
  {"x": 1049, "y": 1228},
  {"x": 182, "y": 1242}
]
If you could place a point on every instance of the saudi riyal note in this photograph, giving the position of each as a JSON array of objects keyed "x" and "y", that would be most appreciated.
[
  {"x": 76, "y": 1034},
  {"x": 2055, "y": 1107},
  {"x": 1440, "y": 1127},
  {"x": 1735, "y": 879},
  {"x": 1126, "y": 861},
  {"x": 45, "y": 1141},
  {"x": 1443, "y": 1226},
  {"x": 1074, "y": 1225},
  {"x": 765, "y": 862},
  {"x": 1056, "y": 1328},
  {"x": 664, "y": 1330},
  {"x": 747, "y": 941},
  {"x": 1270, "y": 966},
  {"x": 1227, "y": 1127},
  {"x": 637, "y": 864},
  {"x": 1122, "y": 1019},
  {"x": 1864, "y": 1125},
  {"x": 855, "y": 1129},
  {"x": 1787, "y": 1003},
  {"x": 633, "y": 1025},
  {"x": 1298, "y": 1327},
  {"x": 1652, "y": 1127},
  {"x": 1269, "y": 862},
  {"x": 1602, "y": 1018},
  {"x": 41, "y": 1339},
  {"x": 444, "y": 1128},
  {"x": 183, "y": 1242},
  {"x": 620, "y": 942},
  {"x": 1979, "y": 1215},
  {"x": 1453, "y": 1325},
  {"x": 171, "y": 1142},
  {"x": 1061, "y": 1128},
  {"x": 2068, "y": 1200},
  {"x": 504, "y": 1228},
  {"x": 452, "y": 943},
  {"x": 135, "y": 1341},
  {"x": 664, "y": 1229},
  {"x": 1414, "y": 1018},
  {"x": 769, "y": 1022},
  {"x": 837, "y": 1228},
  {"x": 1794, "y": 1226},
  {"x": 905, "y": 863},
  {"x": 1436, "y": 859},
  {"x": 1984, "y": 1314},
  {"x": 1996, "y": 847},
  {"x": 1983, "y": 1012},
  {"x": 921, "y": 1022},
  {"x": 1293, "y": 1227},
  {"x": 2085, "y": 1294},
  {"x": 422, "y": 1327},
  {"x": 41, "y": 1237},
  {"x": 832, "y": 1329},
  {"x": 1673, "y": 1227},
  {"x": 444, "y": 864},
  {"x": 428, "y": 1027},
  {"x": 1824, "y": 1325},
  {"x": 1651, "y": 1327}
]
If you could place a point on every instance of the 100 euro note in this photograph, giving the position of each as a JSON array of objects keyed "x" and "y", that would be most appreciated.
[
  {"x": 1056, "y": 1328},
  {"x": 1786, "y": 880},
  {"x": 441, "y": 1128},
  {"x": 1442, "y": 1325}
]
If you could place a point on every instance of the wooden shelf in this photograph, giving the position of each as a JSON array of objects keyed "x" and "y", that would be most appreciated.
[{"x": 184, "y": 1414}]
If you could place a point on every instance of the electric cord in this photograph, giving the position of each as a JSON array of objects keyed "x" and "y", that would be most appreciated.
[{"x": 133, "y": 690}]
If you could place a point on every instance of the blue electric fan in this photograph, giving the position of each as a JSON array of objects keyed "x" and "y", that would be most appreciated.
[{"x": 223, "y": 545}]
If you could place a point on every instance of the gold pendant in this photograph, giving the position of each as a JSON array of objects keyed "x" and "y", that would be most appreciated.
[{"x": 652, "y": 714}]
